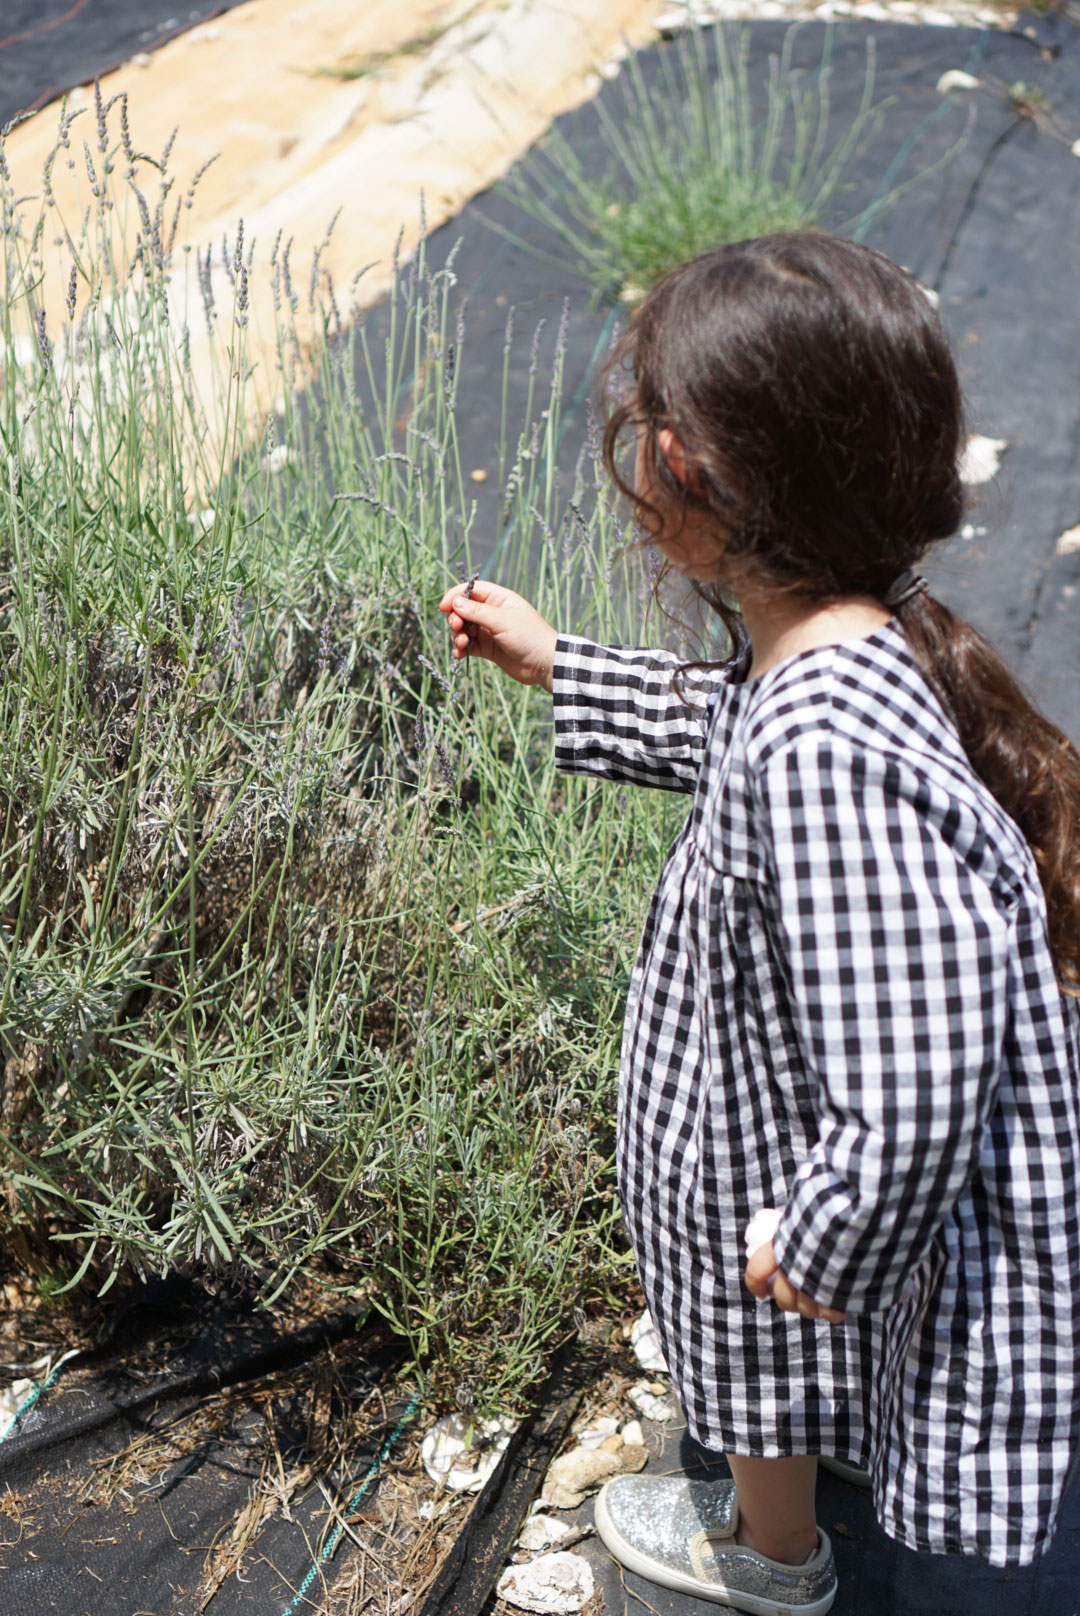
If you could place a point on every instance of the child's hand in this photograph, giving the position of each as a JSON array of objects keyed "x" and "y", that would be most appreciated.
[
  {"x": 764, "y": 1279},
  {"x": 507, "y": 631}
]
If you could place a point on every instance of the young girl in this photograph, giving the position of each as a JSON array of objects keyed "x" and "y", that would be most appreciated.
[{"x": 855, "y": 999}]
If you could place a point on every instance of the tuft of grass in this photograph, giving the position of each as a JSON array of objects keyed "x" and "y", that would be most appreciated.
[
  {"x": 703, "y": 157},
  {"x": 416, "y": 45},
  {"x": 311, "y": 967}
]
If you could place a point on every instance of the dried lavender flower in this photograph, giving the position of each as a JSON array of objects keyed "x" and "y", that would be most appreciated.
[
  {"x": 236, "y": 620},
  {"x": 534, "y": 355},
  {"x": 560, "y": 340},
  {"x": 242, "y": 297},
  {"x": 286, "y": 277}
]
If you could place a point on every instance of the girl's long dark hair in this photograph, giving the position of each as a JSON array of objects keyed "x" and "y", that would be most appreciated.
[{"x": 812, "y": 387}]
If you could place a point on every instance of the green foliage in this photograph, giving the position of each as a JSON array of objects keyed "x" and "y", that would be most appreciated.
[
  {"x": 702, "y": 158},
  {"x": 310, "y": 964}
]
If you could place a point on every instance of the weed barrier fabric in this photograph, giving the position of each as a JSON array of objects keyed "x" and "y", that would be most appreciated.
[
  {"x": 49, "y": 46},
  {"x": 73, "y": 1545},
  {"x": 996, "y": 234}
]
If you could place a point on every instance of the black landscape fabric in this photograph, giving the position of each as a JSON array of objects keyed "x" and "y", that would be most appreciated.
[{"x": 124, "y": 1478}]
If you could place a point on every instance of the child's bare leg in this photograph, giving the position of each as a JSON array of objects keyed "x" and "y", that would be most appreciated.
[{"x": 776, "y": 1506}]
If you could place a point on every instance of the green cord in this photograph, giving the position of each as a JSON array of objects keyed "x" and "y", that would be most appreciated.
[
  {"x": 335, "y": 1538},
  {"x": 37, "y": 1392}
]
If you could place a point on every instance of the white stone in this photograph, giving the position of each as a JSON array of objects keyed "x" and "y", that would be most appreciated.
[
  {"x": 955, "y": 80},
  {"x": 559, "y": 1582},
  {"x": 540, "y": 1532},
  {"x": 632, "y": 1434},
  {"x": 462, "y": 1453},
  {"x": 141, "y": 59},
  {"x": 981, "y": 459},
  {"x": 647, "y": 1402},
  {"x": 574, "y": 1475},
  {"x": 646, "y": 1345},
  {"x": 1075, "y": 148},
  {"x": 593, "y": 1435},
  {"x": 1069, "y": 542},
  {"x": 937, "y": 19}
]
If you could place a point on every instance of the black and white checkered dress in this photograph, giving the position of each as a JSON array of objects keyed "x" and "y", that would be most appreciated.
[{"x": 844, "y": 1005}]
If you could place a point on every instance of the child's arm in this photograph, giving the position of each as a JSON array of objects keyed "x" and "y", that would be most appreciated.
[
  {"x": 897, "y": 954},
  {"x": 617, "y": 713}
]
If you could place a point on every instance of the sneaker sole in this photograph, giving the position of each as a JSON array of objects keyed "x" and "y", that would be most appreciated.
[
  {"x": 653, "y": 1571},
  {"x": 853, "y": 1474}
]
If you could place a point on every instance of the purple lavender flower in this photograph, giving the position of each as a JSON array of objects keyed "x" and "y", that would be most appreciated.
[
  {"x": 72, "y": 287},
  {"x": 125, "y": 131},
  {"x": 447, "y": 771},
  {"x": 91, "y": 172},
  {"x": 206, "y": 286},
  {"x": 44, "y": 345},
  {"x": 323, "y": 659},
  {"x": 100, "y": 111}
]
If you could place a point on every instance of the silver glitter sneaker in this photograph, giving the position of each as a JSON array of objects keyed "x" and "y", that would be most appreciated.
[{"x": 681, "y": 1534}]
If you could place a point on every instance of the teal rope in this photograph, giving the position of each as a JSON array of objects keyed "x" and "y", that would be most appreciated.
[
  {"x": 335, "y": 1538},
  {"x": 38, "y": 1391}
]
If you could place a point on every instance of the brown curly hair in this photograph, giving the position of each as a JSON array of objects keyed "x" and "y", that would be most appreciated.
[{"x": 810, "y": 382}]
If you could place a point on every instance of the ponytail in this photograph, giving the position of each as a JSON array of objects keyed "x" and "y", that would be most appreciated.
[{"x": 1028, "y": 764}]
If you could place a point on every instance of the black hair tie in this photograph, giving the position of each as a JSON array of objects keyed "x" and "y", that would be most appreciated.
[{"x": 904, "y": 587}]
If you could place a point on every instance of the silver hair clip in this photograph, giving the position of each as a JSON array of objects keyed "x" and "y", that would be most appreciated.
[{"x": 903, "y": 587}]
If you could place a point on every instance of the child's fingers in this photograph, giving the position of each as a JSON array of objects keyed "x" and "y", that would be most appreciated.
[
  {"x": 475, "y": 611},
  {"x": 759, "y": 1269},
  {"x": 786, "y": 1296}
]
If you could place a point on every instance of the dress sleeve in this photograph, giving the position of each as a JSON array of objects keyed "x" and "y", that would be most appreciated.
[
  {"x": 897, "y": 955},
  {"x": 618, "y": 714}
]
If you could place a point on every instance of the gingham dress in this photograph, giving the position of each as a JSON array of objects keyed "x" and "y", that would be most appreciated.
[{"x": 844, "y": 1005}]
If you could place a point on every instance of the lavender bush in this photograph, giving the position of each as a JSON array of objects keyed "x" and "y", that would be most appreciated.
[{"x": 310, "y": 966}]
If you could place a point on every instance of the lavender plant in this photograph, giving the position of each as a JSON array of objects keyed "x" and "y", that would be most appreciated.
[
  {"x": 310, "y": 967},
  {"x": 704, "y": 156}
]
